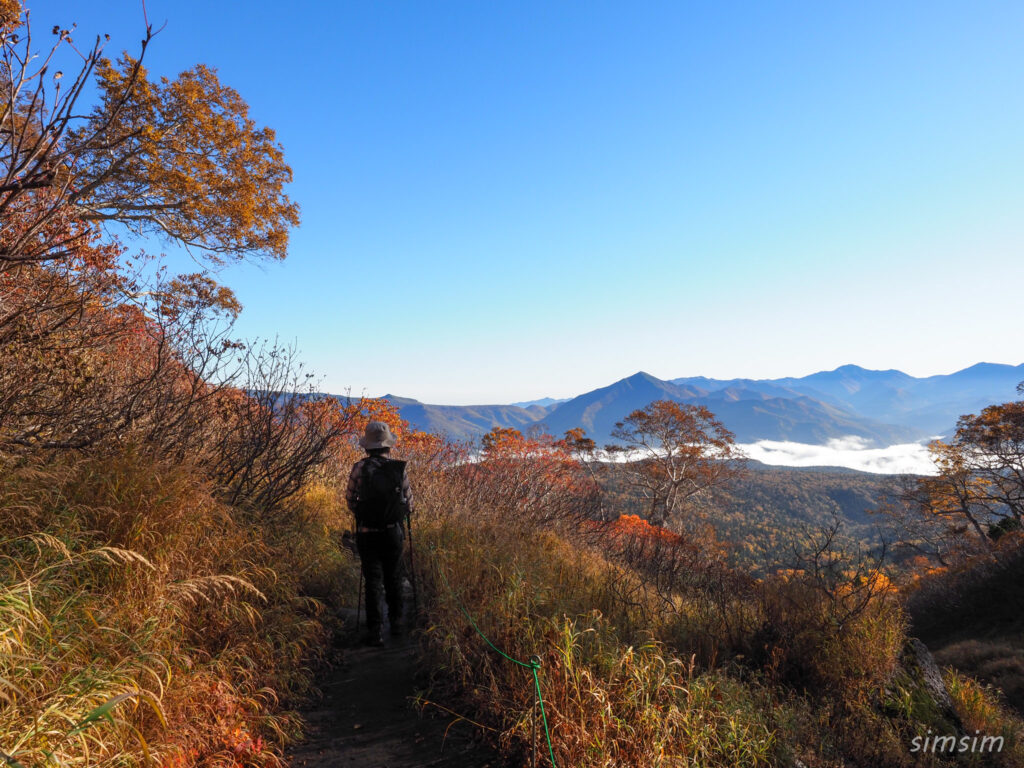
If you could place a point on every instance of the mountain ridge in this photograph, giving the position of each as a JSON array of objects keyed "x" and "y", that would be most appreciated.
[
  {"x": 930, "y": 404},
  {"x": 884, "y": 407}
]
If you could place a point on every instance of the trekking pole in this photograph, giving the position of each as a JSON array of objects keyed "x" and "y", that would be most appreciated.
[
  {"x": 412, "y": 567},
  {"x": 359, "y": 600}
]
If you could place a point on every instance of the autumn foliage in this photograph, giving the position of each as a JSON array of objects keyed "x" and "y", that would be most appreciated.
[
  {"x": 179, "y": 158},
  {"x": 528, "y": 477},
  {"x": 679, "y": 453},
  {"x": 171, "y": 498},
  {"x": 976, "y": 495},
  {"x": 635, "y": 527},
  {"x": 164, "y": 569}
]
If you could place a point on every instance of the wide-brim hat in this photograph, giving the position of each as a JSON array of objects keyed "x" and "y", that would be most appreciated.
[{"x": 378, "y": 435}]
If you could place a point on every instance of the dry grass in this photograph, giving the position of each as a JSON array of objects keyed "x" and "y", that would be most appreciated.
[
  {"x": 982, "y": 714},
  {"x": 615, "y": 695},
  {"x": 142, "y": 622},
  {"x": 147, "y": 622},
  {"x": 996, "y": 662},
  {"x": 727, "y": 672}
]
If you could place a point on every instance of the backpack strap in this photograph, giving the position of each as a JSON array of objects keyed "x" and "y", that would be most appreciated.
[{"x": 396, "y": 468}]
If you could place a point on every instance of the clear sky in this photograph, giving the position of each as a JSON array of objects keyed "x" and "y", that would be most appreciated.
[{"x": 504, "y": 201}]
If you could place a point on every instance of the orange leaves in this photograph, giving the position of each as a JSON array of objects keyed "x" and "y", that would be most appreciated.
[
  {"x": 192, "y": 165},
  {"x": 361, "y": 412},
  {"x": 876, "y": 581},
  {"x": 919, "y": 567},
  {"x": 634, "y": 525},
  {"x": 548, "y": 459},
  {"x": 180, "y": 159},
  {"x": 676, "y": 426},
  {"x": 420, "y": 447},
  {"x": 379, "y": 409},
  {"x": 789, "y": 574},
  {"x": 978, "y": 493},
  {"x": 998, "y": 428},
  {"x": 426, "y": 448},
  {"x": 508, "y": 443},
  {"x": 227, "y": 737},
  {"x": 678, "y": 452},
  {"x": 198, "y": 292},
  {"x": 10, "y": 11},
  {"x": 505, "y": 442},
  {"x": 534, "y": 477}
]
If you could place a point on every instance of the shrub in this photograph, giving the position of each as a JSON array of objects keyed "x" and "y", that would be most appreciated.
[
  {"x": 125, "y": 583},
  {"x": 614, "y": 695},
  {"x": 983, "y": 590}
]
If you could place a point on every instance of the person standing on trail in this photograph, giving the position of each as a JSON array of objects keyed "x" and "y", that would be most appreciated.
[{"x": 380, "y": 497}]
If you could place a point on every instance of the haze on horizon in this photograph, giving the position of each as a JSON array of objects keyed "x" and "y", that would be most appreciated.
[{"x": 505, "y": 202}]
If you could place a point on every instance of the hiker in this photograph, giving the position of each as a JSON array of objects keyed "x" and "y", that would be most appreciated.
[{"x": 380, "y": 497}]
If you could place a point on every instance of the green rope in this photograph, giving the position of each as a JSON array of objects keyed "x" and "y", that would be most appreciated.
[{"x": 533, "y": 665}]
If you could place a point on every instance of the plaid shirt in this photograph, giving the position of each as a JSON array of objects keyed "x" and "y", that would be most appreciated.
[{"x": 355, "y": 482}]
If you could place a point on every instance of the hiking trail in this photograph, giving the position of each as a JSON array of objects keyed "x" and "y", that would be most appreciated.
[{"x": 366, "y": 718}]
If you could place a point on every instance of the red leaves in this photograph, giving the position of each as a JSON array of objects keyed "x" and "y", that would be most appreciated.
[{"x": 636, "y": 526}]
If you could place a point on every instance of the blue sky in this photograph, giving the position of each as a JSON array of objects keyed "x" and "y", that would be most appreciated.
[{"x": 503, "y": 201}]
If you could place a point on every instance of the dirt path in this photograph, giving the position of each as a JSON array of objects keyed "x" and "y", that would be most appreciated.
[{"x": 366, "y": 719}]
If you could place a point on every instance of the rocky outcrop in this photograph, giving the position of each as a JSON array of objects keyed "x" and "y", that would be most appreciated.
[{"x": 918, "y": 692}]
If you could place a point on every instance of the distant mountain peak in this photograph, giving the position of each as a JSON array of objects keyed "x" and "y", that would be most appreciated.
[
  {"x": 984, "y": 367},
  {"x": 543, "y": 402},
  {"x": 859, "y": 371},
  {"x": 642, "y": 376},
  {"x": 398, "y": 400}
]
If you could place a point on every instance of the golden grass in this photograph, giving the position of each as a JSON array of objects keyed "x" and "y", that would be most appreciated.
[
  {"x": 775, "y": 671},
  {"x": 614, "y": 695},
  {"x": 997, "y": 662},
  {"x": 142, "y": 623},
  {"x": 145, "y": 622},
  {"x": 982, "y": 714}
]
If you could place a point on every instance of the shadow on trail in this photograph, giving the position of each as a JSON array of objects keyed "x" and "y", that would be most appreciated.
[{"x": 366, "y": 718}]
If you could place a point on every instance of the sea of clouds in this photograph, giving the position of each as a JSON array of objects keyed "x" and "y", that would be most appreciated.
[{"x": 852, "y": 451}]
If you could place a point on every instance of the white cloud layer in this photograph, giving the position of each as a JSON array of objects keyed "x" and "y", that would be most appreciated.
[{"x": 850, "y": 451}]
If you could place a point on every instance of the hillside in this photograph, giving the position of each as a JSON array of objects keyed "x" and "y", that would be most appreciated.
[
  {"x": 200, "y": 555},
  {"x": 465, "y": 422},
  {"x": 768, "y": 511}
]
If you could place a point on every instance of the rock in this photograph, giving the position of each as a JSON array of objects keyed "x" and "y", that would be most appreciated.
[
  {"x": 918, "y": 660},
  {"x": 917, "y": 691}
]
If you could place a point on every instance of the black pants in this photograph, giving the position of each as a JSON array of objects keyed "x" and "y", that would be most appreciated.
[{"x": 381, "y": 556}]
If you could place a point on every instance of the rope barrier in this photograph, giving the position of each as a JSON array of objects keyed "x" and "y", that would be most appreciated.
[{"x": 533, "y": 664}]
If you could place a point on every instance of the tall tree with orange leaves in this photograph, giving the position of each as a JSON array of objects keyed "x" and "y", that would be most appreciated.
[
  {"x": 87, "y": 345},
  {"x": 180, "y": 159},
  {"x": 977, "y": 493}
]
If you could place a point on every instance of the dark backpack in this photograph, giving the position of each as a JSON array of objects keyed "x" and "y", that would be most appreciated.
[{"x": 380, "y": 501}]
